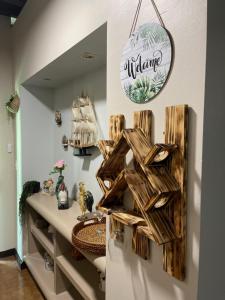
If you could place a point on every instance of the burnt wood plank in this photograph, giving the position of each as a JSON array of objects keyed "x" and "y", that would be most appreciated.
[{"x": 176, "y": 133}]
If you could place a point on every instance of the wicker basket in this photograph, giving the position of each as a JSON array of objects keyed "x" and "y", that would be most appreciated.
[{"x": 90, "y": 236}]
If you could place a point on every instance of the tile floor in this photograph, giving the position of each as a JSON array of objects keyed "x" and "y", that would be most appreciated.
[{"x": 16, "y": 285}]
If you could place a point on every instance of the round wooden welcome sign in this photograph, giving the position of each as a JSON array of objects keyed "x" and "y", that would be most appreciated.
[{"x": 146, "y": 62}]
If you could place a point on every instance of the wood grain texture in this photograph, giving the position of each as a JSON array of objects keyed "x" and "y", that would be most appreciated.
[
  {"x": 116, "y": 125},
  {"x": 116, "y": 191},
  {"x": 176, "y": 133},
  {"x": 105, "y": 147},
  {"x": 159, "y": 228},
  {"x": 163, "y": 184},
  {"x": 158, "y": 153},
  {"x": 128, "y": 218},
  {"x": 114, "y": 163},
  {"x": 141, "y": 244},
  {"x": 141, "y": 189},
  {"x": 137, "y": 142},
  {"x": 116, "y": 229},
  {"x": 143, "y": 120}
]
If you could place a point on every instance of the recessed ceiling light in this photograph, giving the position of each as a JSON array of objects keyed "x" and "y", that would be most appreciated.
[
  {"x": 88, "y": 55},
  {"x": 46, "y": 79}
]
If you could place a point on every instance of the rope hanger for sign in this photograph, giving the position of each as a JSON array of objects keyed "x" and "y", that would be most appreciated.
[{"x": 137, "y": 15}]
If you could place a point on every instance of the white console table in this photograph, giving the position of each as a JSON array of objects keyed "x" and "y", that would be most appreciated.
[{"x": 71, "y": 279}]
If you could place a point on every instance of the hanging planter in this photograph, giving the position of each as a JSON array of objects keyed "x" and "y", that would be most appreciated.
[{"x": 13, "y": 104}]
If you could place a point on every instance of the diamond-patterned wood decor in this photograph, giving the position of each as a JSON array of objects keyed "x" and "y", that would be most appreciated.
[{"x": 157, "y": 183}]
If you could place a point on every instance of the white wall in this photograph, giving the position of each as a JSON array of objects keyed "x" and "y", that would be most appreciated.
[
  {"x": 47, "y": 28},
  {"x": 37, "y": 132},
  {"x": 212, "y": 243},
  {"x": 81, "y": 168},
  {"x": 128, "y": 276},
  {"x": 7, "y": 160},
  {"x": 41, "y": 138}
]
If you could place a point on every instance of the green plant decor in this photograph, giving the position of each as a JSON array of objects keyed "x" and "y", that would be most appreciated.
[
  {"x": 145, "y": 88},
  {"x": 29, "y": 188}
]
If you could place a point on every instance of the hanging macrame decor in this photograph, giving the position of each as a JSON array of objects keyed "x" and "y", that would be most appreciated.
[
  {"x": 146, "y": 59},
  {"x": 84, "y": 126}
]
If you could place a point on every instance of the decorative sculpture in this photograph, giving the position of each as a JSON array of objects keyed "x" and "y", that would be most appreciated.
[
  {"x": 86, "y": 201},
  {"x": 84, "y": 126},
  {"x": 61, "y": 190},
  {"x": 65, "y": 142},
  {"x": 48, "y": 186},
  {"x": 157, "y": 184}
]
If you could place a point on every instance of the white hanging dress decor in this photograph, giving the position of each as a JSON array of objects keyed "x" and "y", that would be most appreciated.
[{"x": 84, "y": 124}]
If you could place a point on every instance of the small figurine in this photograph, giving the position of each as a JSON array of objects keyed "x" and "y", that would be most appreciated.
[
  {"x": 82, "y": 203},
  {"x": 89, "y": 200},
  {"x": 63, "y": 202},
  {"x": 86, "y": 201},
  {"x": 62, "y": 193},
  {"x": 58, "y": 118},
  {"x": 60, "y": 189},
  {"x": 65, "y": 142},
  {"x": 48, "y": 186}
]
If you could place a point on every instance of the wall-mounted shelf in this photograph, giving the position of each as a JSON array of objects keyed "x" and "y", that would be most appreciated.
[
  {"x": 70, "y": 279},
  {"x": 156, "y": 181}
]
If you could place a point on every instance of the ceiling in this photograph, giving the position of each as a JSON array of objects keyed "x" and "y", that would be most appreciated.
[
  {"x": 11, "y": 8},
  {"x": 72, "y": 64}
]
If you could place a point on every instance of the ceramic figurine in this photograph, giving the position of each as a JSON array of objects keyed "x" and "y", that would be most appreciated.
[
  {"x": 86, "y": 202},
  {"x": 65, "y": 142},
  {"x": 63, "y": 202},
  {"x": 82, "y": 203},
  {"x": 48, "y": 186},
  {"x": 60, "y": 189},
  {"x": 89, "y": 200},
  {"x": 62, "y": 193}
]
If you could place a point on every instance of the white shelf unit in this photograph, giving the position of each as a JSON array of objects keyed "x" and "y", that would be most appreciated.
[
  {"x": 71, "y": 279},
  {"x": 44, "y": 241}
]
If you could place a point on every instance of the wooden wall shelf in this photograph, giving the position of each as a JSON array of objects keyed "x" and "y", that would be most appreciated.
[{"x": 157, "y": 184}]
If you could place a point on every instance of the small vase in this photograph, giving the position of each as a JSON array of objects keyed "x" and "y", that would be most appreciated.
[{"x": 62, "y": 193}]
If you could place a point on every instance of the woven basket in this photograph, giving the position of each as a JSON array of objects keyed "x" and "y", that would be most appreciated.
[{"x": 85, "y": 236}]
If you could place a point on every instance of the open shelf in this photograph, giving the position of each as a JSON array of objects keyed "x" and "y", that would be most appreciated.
[
  {"x": 71, "y": 279},
  {"x": 46, "y": 243},
  {"x": 44, "y": 278},
  {"x": 82, "y": 275}
]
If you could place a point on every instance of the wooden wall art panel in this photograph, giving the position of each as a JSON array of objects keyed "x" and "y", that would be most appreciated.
[{"x": 157, "y": 185}]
